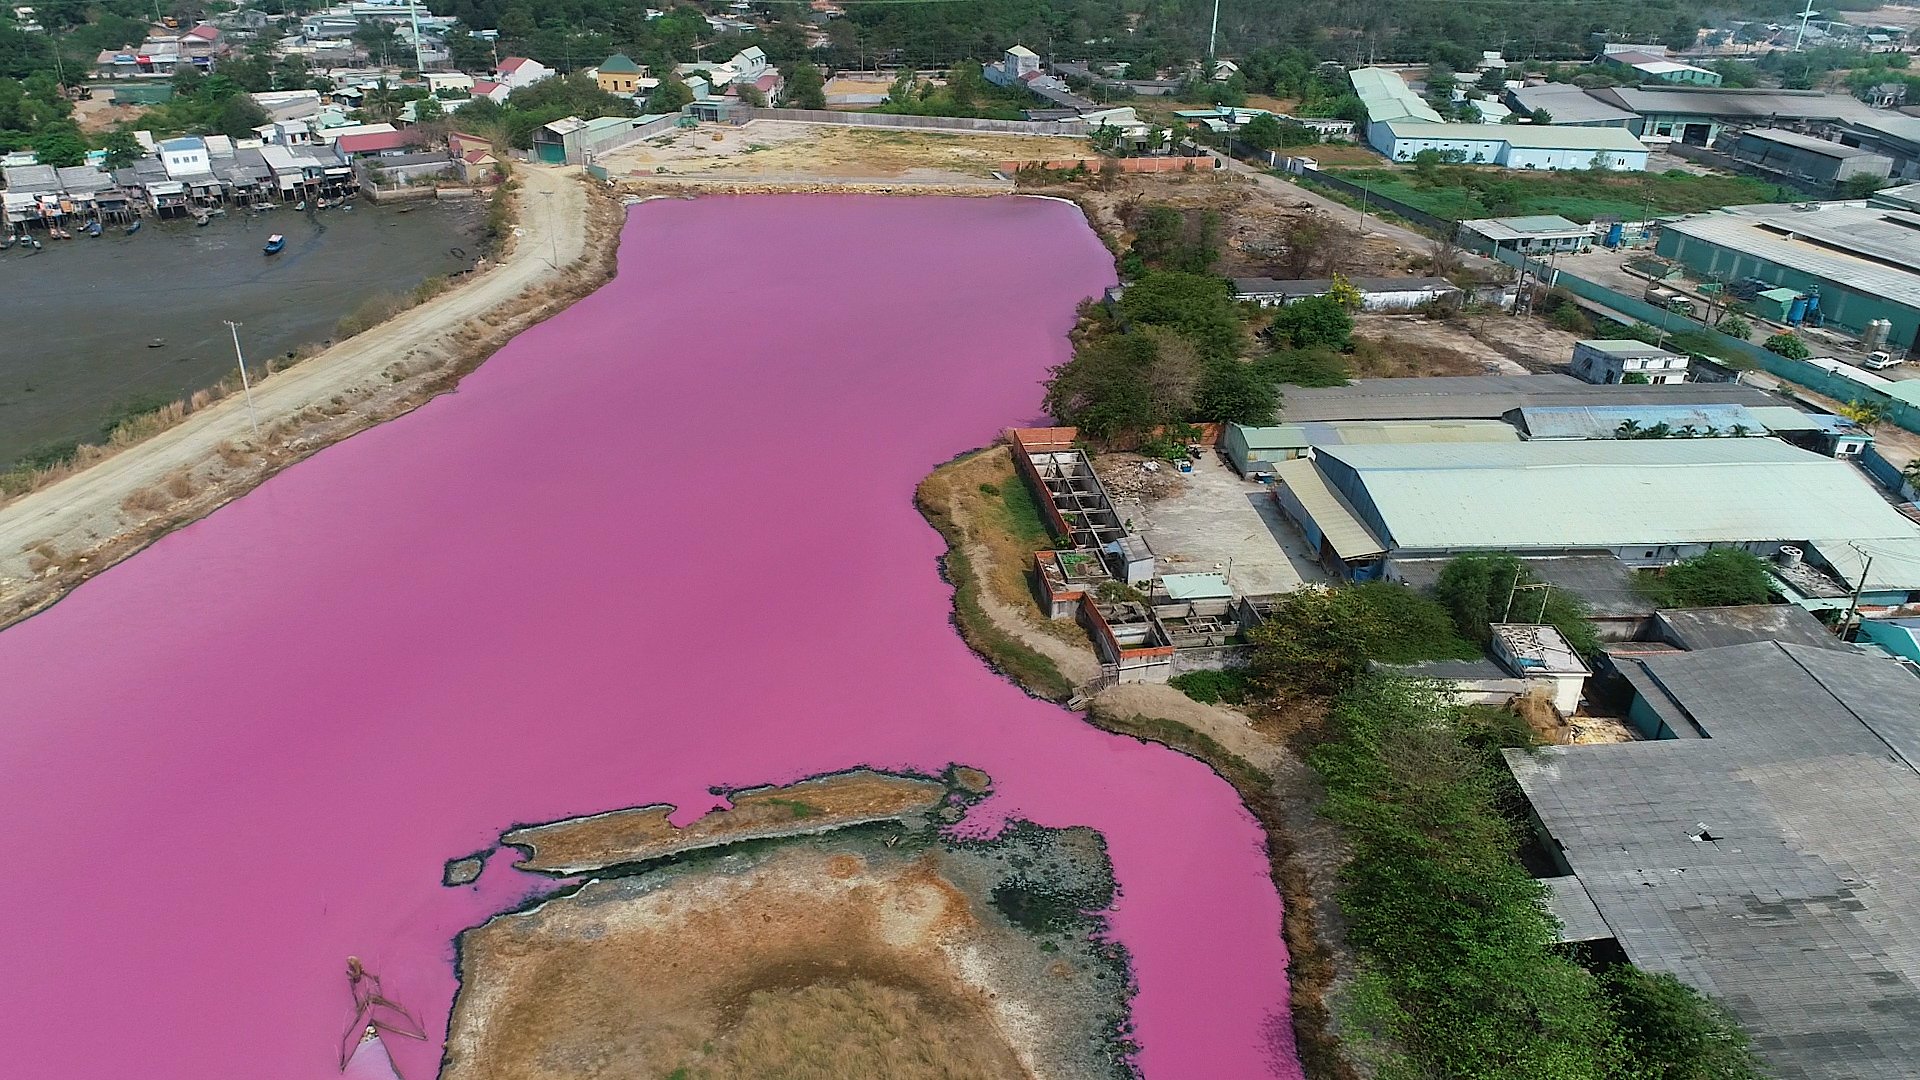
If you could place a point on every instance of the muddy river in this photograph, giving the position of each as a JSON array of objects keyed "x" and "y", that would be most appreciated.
[
  {"x": 78, "y": 319},
  {"x": 662, "y": 542}
]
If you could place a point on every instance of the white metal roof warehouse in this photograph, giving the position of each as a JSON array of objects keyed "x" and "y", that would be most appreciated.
[{"x": 1649, "y": 501}]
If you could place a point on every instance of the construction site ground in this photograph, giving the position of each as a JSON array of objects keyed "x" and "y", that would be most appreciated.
[
  {"x": 787, "y": 150},
  {"x": 1494, "y": 343},
  {"x": 1253, "y": 216},
  {"x": 1212, "y": 521}
]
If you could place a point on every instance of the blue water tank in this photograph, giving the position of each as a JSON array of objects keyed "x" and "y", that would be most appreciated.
[
  {"x": 1797, "y": 314},
  {"x": 1815, "y": 317},
  {"x": 1615, "y": 232}
]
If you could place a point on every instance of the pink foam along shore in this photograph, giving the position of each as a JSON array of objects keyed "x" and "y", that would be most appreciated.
[{"x": 660, "y": 543}]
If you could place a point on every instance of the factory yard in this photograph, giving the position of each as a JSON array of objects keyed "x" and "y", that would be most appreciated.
[
  {"x": 1211, "y": 521},
  {"x": 781, "y": 150}
]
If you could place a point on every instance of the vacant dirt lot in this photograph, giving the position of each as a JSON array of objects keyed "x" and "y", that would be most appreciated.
[
  {"x": 780, "y": 149},
  {"x": 1253, "y": 219},
  {"x": 1495, "y": 344}
]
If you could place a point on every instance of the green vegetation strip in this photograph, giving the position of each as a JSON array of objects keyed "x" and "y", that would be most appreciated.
[
  {"x": 1460, "y": 974},
  {"x": 1463, "y": 192}
]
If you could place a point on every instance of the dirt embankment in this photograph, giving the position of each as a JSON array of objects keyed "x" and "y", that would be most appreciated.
[
  {"x": 878, "y": 950},
  {"x": 644, "y": 833},
  {"x": 1278, "y": 789},
  {"x": 57, "y": 537}
]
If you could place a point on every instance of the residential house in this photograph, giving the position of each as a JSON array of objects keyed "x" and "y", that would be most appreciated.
[
  {"x": 618, "y": 75},
  {"x": 378, "y": 144},
  {"x": 495, "y": 92},
  {"x": 184, "y": 156},
  {"x": 1612, "y": 360},
  {"x": 518, "y": 71}
]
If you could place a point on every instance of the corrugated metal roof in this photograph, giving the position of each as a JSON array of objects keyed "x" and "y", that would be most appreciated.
[
  {"x": 1522, "y": 228},
  {"x": 1489, "y": 397},
  {"x": 1612, "y": 493},
  {"x": 1797, "y": 909},
  {"x": 1568, "y": 104},
  {"x": 1368, "y": 432},
  {"x": 1738, "y": 104},
  {"x": 1794, "y": 139},
  {"x": 1823, "y": 245},
  {"x": 1388, "y": 97},
  {"x": 1715, "y": 627},
  {"x": 1604, "y": 421},
  {"x": 1344, "y": 531}
]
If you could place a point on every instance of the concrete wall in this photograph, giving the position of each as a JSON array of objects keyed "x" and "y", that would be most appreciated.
[{"x": 924, "y": 123}]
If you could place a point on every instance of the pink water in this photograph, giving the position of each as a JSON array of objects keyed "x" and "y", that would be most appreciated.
[{"x": 662, "y": 542}]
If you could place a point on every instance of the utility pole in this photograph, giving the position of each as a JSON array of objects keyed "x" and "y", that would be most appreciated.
[
  {"x": 253, "y": 417},
  {"x": 1214, "y": 31},
  {"x": 413, "y": 12},
  {"x": 1804, "y": 16},
  {"x": 1853, "y": 605}
]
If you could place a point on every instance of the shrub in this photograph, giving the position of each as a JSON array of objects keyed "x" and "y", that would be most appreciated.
[
  {"x": 1716, "y": 579},
  {"x": 1229, "y": 687},
  {"x": 1787, "y": 345},
  {"x": 1735, "y": 326},
  {"x": 1307, "y": 367},
  {"x": 1318, "y": 322},
  {"x": 1318, "y": 641}
]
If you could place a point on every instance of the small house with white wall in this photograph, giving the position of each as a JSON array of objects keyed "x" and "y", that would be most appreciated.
[
  {"x": 1603, "y": 360},
  {"x": 518, "y": 71},
  {"x": 185, "y": 156}
]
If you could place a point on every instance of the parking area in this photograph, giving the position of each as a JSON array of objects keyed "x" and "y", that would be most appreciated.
[{"x": 1216, "y": 521}]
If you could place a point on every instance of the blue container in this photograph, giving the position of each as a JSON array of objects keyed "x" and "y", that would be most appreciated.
[
  {"x": 1797, "y": 313},
  {"x": 1815, "y": 317},
  {"x": 1615, "y": 232}
]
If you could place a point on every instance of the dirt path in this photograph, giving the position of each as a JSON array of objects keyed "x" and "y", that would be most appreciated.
[
  {"x": 1077, "y": 663},
  {"x": 54, "y": 537}
]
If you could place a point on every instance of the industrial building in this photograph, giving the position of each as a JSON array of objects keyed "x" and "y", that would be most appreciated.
[
  {"x": 1249, "y": 448},
  {"x": 1895, "y": 136},
  {"x": 1492, "y": 397},
  {"x": 1376, "y": 294},
  {"x": 1568, "y": 106},
  {"x": 1759, "y": 847},
  {"x": 1610, "y": 360},
  {"x": 1387, "y": 97},
  {"x": 1513, "y": 146},
  {"x": 1652, "y": 64},
  {"x": 1696, "y": 115},
  {"x": 1648, "y": 502},
  {"x": 1535, "y": 234},
  {"x": 1815, "y": 162},
  {"x": 1862, "y": 261}
]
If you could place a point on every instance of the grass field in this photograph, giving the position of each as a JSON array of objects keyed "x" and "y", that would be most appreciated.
[{"x": 1461, "y": 192}]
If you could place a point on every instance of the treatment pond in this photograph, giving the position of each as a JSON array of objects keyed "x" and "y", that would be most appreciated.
[{"x": 660, "y": 544}]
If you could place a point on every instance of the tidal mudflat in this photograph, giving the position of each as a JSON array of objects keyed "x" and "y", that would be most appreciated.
[{"x": 661, "y": 544}]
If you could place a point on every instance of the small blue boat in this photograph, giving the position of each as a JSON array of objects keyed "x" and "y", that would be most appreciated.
[
  {"x": 274, "y": 244},
  {"x": 133, "y": 228},
  {"x": 93, "y": 228}
]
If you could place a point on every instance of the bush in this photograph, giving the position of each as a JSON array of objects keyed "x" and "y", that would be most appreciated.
[
  {"x": 1735, "y": 326},
  {"x": 1318, "y": 641},
  {"x": 1572, "y": 320},
  {"x": 1307, "y": 367},
  {"x": 1475, "y": 590},
  {"x": 1787, "y": 345},
  {"x": 1229, "y": 687},
  {"x": 1716, "y": 579},
  {"x": 1318, "y": 322},
  {"x": 1672, "y": 1031}
]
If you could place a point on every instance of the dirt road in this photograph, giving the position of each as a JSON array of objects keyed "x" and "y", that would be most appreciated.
[
  {"x": 1297, "y": 195},
  {"x": 86, "y": 516}
]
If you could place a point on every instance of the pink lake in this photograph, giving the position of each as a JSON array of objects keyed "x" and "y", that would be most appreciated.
[{"x": 662, "y": 542}]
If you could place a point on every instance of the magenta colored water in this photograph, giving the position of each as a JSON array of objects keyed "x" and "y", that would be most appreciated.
[{"x": 662, "y": 542}]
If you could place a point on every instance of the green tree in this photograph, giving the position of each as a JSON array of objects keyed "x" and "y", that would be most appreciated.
[
  {"x": 1234, "y": 392},
  {"x": 122, "y": 148},
  {"x": 1716, "y": 579},
  {"x": 1673, "y": 1032},
  {"x": 1859, "y": 187},
  {"x": 60, "y": 146},
  {"x": 1198, "y": 306},
  {"x": 1318, "y": 322},
  {"x": 1262, "y": 132},
  {"x": 751, "y": 96},
  {"x": 1788, "y": 345},
  {"x": 428, "y": 110},
  {"x": 1482, "y": 588},
  {"x": 1316, "y": 642},
  {"x": 1124, "y": 384},
  {"x": 670, "y": 96},
  {"x": 805, "y": 87}
]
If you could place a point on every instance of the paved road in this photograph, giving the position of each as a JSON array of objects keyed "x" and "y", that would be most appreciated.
[{"x": 86, "y": 509}]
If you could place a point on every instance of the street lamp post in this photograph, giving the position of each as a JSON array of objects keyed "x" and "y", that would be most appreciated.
[{"x": 253, "y": 417}]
